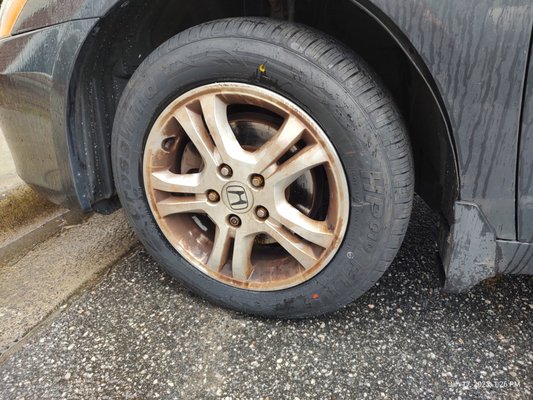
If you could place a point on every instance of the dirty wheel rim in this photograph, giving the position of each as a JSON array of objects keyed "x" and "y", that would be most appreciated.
[{"x": 246, "y": 186}]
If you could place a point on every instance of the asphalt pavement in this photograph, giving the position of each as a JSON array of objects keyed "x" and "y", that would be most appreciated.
[{"x": 138, "y": 334}]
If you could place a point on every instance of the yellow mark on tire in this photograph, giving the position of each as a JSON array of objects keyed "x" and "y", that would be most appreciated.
[{"x": 262, "y": 68}]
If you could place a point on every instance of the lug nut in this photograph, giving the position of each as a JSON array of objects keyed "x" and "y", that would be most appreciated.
[
  {"x": 213, "y": 196},
  {"x": 234, "y": 221},
  {"x": 258, "y": 181},
  {"x": 225, "y": 170},
  {"x": 261, "y": 212}
]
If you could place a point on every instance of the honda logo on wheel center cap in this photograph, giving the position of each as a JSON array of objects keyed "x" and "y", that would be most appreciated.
[{"x": 237, "y": 197}]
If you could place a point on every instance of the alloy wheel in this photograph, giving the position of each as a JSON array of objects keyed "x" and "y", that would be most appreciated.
[{"x": 246, "y": 186}]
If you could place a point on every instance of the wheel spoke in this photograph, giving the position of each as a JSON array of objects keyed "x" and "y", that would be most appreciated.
[
  {"x": 242, "y": 256},
  {"x": 316, "y": 232},
  {"x": 194, "y": 127},
  {"x": 178, "y": 183},
  {"x": 221, "y": 246},
  {"x": 289, "y": 133},
  {"x": 296, "y": 247},
  {"x": 216, "y": 118},
  {"x": 297, "y": 165},
  {"x": 178, "y": 205}
]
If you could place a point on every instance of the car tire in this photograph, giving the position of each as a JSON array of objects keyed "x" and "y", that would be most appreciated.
[{"x": 348, "y": 111}]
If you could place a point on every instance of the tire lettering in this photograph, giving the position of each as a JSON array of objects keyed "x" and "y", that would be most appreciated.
[{"x": 374, "y": 196}]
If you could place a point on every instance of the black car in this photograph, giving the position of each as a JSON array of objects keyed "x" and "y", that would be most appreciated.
[{"x": 267, "y": 152}]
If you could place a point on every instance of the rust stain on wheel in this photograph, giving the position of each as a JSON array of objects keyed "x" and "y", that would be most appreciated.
[{"x": 229, "y": 151}]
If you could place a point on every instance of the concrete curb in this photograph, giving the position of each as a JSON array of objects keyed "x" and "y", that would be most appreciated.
[
  {"x": 49, "y": 256},
  {"x": 46, "y": 277},
  {"x": 27, "y": 220},
  {"x": 16, "y": 248}
]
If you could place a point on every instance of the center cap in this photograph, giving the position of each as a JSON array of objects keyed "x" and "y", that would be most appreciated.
[{"x": 237, "y": 197}]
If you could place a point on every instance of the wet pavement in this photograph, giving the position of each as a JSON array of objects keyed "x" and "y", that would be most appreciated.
[{"x": 138, "y": 334}]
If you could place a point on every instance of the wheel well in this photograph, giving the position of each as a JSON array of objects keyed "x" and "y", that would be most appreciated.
[{"x": 133, "y": 29}]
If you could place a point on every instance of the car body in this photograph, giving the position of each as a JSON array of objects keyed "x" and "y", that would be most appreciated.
[{"x": 462, "y": 74}]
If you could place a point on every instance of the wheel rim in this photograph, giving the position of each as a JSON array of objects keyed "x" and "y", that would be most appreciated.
[{"x": 246, "y": 186}]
